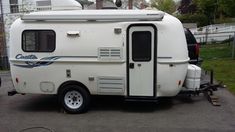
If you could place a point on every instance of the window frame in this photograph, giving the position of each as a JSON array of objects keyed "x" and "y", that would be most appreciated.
[
  {"x": 14, "y": 6},
  {"x": 22, "y": 43}
]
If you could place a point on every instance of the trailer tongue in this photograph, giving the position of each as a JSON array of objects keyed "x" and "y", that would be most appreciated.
[{"x": 206, "y": 88}]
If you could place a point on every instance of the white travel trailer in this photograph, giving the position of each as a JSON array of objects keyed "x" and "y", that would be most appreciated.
[{"x": 138, "y": 54}]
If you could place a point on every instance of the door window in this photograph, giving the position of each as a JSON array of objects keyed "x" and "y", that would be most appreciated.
[{"x": 141, "y": 46}]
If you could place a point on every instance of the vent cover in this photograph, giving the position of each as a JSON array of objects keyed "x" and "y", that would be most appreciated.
[
  {"x": 111, "y": 85},
  {"x": 110, "y": 53}
]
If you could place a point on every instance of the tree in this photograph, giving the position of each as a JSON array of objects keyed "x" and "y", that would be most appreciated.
[
  {"x": 187, "y": 6},
  {"x": 208, "y": 8},
  {"x": 191, "y": 12},
  {"x": 168, "y": 6},
  {"x": 216, "y": 8},
  {"x": 206, "y": 11},
  {"x": 200, "y": 19},
  {"x": 226, "y": 7}
]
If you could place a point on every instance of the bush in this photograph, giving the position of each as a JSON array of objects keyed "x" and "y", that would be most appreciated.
[
  {"x": 230, "y": 40},
  {"x": 224, "y": 20},
  {"x": 200, "y": 19}
]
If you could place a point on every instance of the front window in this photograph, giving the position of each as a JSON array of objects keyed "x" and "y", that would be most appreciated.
[{"x": 38, "y": 41}]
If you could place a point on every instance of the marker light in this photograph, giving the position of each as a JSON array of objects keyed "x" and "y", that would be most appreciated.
[{"x": 17, "y": 80}]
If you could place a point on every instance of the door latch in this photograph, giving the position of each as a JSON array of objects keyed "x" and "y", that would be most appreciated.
[{"x": 132, "y": 65}]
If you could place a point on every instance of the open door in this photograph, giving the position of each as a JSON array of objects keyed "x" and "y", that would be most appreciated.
[{"x": 141, "y": 54}]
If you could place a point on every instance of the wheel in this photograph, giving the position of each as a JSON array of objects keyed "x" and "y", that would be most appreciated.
[{"x": 74, "y": 99}]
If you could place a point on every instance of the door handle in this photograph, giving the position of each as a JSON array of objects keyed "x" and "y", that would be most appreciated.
[{"x": 132, "y": 65}]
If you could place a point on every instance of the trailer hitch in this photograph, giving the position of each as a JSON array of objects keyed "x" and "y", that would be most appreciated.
[
  {"x": 208, "y": 90},
  {"x": 214, "y": 100}
]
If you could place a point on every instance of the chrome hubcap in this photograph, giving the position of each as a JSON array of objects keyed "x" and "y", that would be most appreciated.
[{"x": 73, "y": 99}]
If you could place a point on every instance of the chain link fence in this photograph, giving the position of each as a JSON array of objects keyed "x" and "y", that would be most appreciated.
[{"x": 218, "y": 50}]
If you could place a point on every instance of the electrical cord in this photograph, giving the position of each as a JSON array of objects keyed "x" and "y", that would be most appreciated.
[{"x": 31, "y": 128}]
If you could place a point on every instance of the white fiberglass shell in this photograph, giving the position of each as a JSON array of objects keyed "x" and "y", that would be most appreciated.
[{"x": 80, "y": 55}]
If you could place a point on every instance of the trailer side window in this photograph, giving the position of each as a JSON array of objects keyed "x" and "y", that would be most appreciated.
[
  {"x": 38, "y": 41},
  {"x": 141, "y": 46}
]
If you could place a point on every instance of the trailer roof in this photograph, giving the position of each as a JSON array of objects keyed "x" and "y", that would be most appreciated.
[{"x": 95, "y": 15}]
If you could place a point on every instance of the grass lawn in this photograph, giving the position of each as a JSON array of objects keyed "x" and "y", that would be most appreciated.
[{"x": 218, "y": 58}]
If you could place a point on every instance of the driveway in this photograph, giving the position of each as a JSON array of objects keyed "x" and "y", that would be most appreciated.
[{"x": 112, "y": 114}]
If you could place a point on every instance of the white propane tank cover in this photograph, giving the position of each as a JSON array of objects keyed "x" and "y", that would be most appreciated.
[
  {"x": 65, "y": 5},
  {"x": 193, "y": 71},
  {"x": 193, "y": 77},
  {"x": 192, "y": 84}
]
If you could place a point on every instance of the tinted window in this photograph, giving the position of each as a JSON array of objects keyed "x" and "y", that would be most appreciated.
[
  {"x": 189, "y": 37},
  {"x": 38, "y": 41},
  {"x": 141, "y": 46}
]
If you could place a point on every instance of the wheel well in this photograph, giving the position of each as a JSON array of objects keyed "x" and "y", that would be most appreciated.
[{"x": 72, "y": 83}]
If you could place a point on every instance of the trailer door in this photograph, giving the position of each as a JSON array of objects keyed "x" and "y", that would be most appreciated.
[{"x": 141, "y": 61}]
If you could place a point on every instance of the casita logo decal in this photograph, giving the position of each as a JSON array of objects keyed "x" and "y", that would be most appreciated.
[
  {"x": 20, "y": 56},
  {"x": 31, "y": 61}
]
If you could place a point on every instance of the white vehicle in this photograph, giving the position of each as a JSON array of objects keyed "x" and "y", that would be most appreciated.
[{"x": 137, "y": 54}]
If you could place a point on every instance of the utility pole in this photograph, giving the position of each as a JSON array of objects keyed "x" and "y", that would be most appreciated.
[
  {"x": 2, "y": 30},
  {"x": 206, "y": 35},
  {"x": 99, "y": 4},
  {"x": 130, "y": 4},
  {"x": 3, "y": 57},
  {"x": 233, "y": 54}
]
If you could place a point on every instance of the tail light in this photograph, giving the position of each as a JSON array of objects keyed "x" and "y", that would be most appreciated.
[{"x": 197, "y": 49}]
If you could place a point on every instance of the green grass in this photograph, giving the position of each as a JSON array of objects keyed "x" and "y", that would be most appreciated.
[
  {"x": 218, "y": 57},
  {"x": 216, "y": 51}
]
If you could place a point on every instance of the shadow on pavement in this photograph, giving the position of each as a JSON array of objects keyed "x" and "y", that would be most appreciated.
[
  {"x": 49, "y": 103},
  {"x": 39, "y": 103}
]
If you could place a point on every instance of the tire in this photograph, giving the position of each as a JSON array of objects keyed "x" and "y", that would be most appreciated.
[{"x": 74, "y": 99}]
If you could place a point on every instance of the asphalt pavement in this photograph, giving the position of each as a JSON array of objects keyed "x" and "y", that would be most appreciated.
[{"x": 41, "y": 113}]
